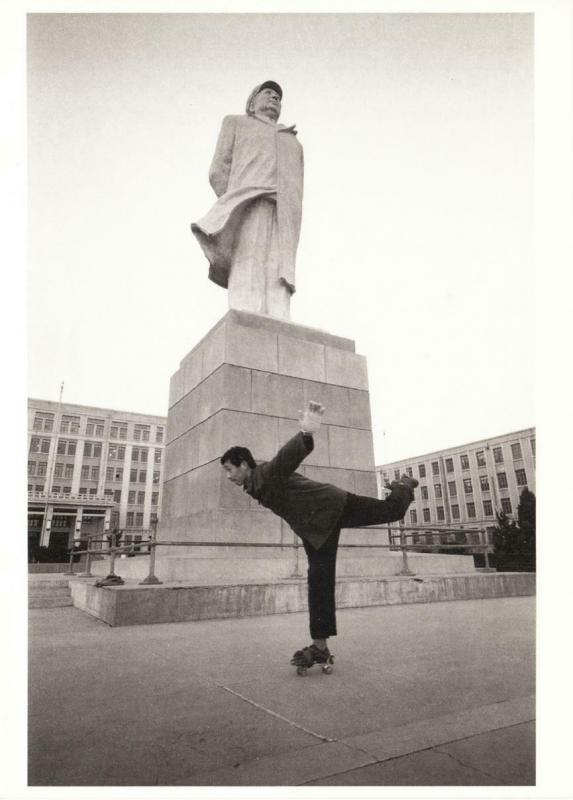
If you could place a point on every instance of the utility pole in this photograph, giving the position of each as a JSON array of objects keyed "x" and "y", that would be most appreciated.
[{"x": 52, "y": 464}]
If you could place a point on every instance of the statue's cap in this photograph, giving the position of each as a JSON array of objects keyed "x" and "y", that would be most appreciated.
[{"x": 271, "y": 85}]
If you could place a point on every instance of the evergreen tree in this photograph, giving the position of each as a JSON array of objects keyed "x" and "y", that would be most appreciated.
[
  {"x": 504, "y": 543},
  {"x": 526, "y": 524}
]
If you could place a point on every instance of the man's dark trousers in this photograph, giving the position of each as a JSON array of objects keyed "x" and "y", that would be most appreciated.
[{"x": 358, "y": 512}]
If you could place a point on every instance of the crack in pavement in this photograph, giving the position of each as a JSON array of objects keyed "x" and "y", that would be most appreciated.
[
  {"x": 274, "y": 713},
  {"x": 470, "y": 766}
]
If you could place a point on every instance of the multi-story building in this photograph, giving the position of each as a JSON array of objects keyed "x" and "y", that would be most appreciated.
[
  {"x": 468, "y": 484},
  {"x": 91, "y": 470}
]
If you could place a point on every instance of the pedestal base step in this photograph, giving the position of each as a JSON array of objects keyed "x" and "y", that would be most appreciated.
[{"x": 132, "y": 604}]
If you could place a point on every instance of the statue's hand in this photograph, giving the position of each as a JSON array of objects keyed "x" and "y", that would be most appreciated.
[{"x": 311, "y": 418}]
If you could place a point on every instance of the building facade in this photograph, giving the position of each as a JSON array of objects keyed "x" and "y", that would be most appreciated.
[
  {"x": 467, "y": 485},
  {"x": 91, "y": 470}
]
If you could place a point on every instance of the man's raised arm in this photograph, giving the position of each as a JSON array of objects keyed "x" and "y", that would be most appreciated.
[{"x": 296, "y": 449}]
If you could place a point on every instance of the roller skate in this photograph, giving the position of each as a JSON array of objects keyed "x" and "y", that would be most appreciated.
[{"x": 306, "y": 658}]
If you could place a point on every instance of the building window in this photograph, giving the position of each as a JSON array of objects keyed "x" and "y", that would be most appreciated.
[
  {"x": 131, "y": 497},
  {"x": 426, "y": 513},
  {"x": 435, "y": 468},
  {"x": 83, "y": 490},
  {"x": 92, "y": 449},
  {"x": 43, "y": 421},
  {"x": 34, "y": 444},
  {"x": 85, "y": 473},
  {"x": 452, "y": 489},
  {"x": 66, "y": 446},
  {"x": 67, "y": 490},
  {"x": 69, "y": 424},
  {"x": 39, "y": 487},
  {"x": 42, "y": 468},
  {"x": 468, "y": 486},
  {"x": 440, "y": 511},
  {"x": 155, "y": 499},
  {"x": 532, "y": 443},
  {"x": 143, "y": 455},
  {"x": 69, "y": 471},
  {"x": 141, "y": 433},
  {"x": 498, "y": 455},
  {"x": 506, "y": 505},
  {"x": 140, "y": 498},
  {"x": 129, "y": 519},
  {"x": 95, "y": 427},
  {"x": 422, "y": 470},
  {"x": 464, "y": 461},
  {"x": 502, "y": 480},
  {"x": 59, "y": 470},
  {"x": 118, "y": 474},
  {"x": 118, "y": 430},
  {"x": 408, "y": 469},
  {"x": 139, "y": 519},
  {"x": 480, "y": 458},
  {"x": 31, "y": 467},
  {"x": 455, "y": 512},
  {"x": 142, "y": 475},
  {"x": 56, "y": 490},
  {"x": 156, "y": 475},
  {"x": 437, "y": 490},
  {"x": 93, "y": 491},
  {"x": 109, "y": 473},
  {"x": 471, "y": 507},
  {"x": 116, "y": 452},
  {"x": 159, "y": 435},
  {"x": 134, "y": 454},
  {"x": 521, "y": 477},
  {"x": 95, "y": 473},
  {"x": 484, "y": 483},
  {"x": 157, "y": 460},
  {"x": 132, "y": 475},
  {"x": 516, "y": 451},
  {"x": 117, "y": 495},
  {"x": 487, "y": 508},
  {"x": 449, "y": 464},
  {"x": 424, "y": 490}
]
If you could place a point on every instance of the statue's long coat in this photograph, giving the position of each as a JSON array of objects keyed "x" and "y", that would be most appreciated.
[{"x": 253, "y": 158}]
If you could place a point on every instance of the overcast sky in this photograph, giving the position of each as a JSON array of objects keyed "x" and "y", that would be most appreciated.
[{"x": 417, "y": 237}]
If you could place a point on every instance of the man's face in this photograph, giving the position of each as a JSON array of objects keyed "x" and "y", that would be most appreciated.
[
  {"x": 267, "y": 103},
  {"x": 237, "y": 475}
]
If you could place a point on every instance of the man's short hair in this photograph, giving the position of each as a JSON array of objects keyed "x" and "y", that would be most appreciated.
[{"x": 236, "y": 455}]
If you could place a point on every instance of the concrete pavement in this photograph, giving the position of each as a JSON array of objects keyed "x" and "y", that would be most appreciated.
[{"x": 425, "y": 694}]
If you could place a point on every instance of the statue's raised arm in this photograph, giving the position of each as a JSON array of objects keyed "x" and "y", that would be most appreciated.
[{"x": 250, "y": 236}]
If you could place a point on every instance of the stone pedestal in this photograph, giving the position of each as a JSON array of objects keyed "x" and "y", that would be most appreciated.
[{"x": 244, "y": 384}]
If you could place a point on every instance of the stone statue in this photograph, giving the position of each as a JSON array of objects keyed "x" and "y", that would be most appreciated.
[{"x": 250, "y": 235}]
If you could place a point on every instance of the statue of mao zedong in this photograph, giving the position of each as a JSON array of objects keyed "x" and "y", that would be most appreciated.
[{"x": 250, "y": 236}]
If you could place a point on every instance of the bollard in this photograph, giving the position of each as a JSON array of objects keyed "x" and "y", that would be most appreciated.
[
  {"x": 152, "y": 579},
  {"x": 404, "y": 548}
]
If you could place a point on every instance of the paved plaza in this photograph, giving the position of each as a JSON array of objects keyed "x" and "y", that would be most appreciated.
[{"x": 421, "y": 695}]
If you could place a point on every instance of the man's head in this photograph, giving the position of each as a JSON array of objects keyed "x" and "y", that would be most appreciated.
[
  {"x": 237, "y": 464},
  {"x": 265, "y": 100}
]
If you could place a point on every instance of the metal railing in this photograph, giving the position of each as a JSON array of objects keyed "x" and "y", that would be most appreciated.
[{"x": 397, "y": 535}]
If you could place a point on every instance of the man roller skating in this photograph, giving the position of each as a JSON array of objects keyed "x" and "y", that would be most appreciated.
[{"x": 316, "y": 512}]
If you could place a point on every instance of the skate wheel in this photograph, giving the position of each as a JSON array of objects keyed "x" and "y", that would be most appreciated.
[
  {"x": 327, "y": 669},
  {"x": 301, "y": 671}
]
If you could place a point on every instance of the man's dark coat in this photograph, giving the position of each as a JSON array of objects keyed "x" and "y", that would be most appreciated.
[{"x": 312, "y": 509}]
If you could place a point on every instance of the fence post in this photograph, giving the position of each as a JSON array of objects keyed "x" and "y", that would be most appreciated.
[
  {"x": 70, "y": 568},
  {"x": 111, "y": 579},
  {"x": 487, "y": 567},
  {"x": 87, "y": 572},
  {"x": 152, "y": 579},
  {"x": 404, "y": 548}
]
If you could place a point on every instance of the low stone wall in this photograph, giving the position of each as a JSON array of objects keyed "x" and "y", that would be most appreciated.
[{"x": 132, "y": 604}]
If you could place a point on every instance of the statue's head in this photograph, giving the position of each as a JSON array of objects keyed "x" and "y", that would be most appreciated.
[{"x": 265, "y": 100}]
